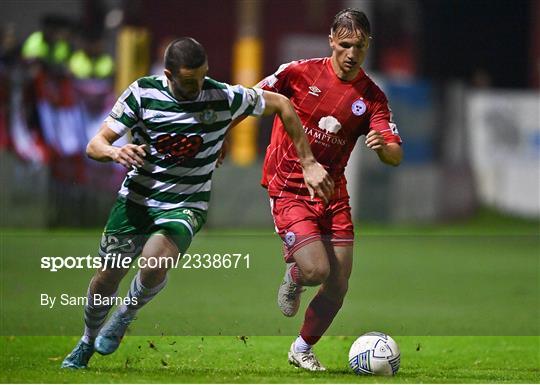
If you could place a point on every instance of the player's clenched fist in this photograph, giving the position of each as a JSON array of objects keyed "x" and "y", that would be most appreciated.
[
  {"x": 375, "y": 140},
  {"x": 318, "y": 182},
  {"x": 129, "y": 155}
]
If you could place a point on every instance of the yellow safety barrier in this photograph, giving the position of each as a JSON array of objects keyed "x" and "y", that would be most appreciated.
[
  {"x": 247, "y": 69},
  {"x": 132, "y": 56}
]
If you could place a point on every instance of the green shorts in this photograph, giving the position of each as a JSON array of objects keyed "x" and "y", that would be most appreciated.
[{"x": 130, "y": 225}]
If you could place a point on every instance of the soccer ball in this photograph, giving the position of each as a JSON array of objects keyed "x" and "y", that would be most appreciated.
[{"x": 374, "y": 353}]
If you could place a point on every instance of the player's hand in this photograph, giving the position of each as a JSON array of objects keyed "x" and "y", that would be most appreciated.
[
  {"x": 318, "y": 182},
  {"x": 129, "y": 155},
  {"x": 375, "y": 140}
]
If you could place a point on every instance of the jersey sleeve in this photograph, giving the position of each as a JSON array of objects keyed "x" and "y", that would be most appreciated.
[
  {"x": 125, "y": 113},
  {"x": 245, "y": 101},
  {"x": 277, "y": 82},
  {"x": 381, "y": 120}
]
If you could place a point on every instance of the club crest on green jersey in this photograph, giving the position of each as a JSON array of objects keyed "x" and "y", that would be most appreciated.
[{"x": 208, "y": 116}]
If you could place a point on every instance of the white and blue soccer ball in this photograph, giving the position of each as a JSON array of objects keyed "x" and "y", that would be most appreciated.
[{"x": 374, "y": 353}]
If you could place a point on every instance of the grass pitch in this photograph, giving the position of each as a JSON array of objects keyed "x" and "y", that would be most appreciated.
[
  {"x": 461, "y": 300},
  {"x": 264, "y": 360}
]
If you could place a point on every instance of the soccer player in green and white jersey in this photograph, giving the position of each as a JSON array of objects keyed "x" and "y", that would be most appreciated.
[{"x": 178, "y": 122}]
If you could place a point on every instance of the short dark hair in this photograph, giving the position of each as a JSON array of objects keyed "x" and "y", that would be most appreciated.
[
  {"x": 349, "y": 20},
  {"x": 184, "y": 52}
]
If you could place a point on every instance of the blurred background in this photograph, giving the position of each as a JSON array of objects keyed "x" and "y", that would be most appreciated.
[
  {"x": 448, "y": 242},
  {"x": 462, "y": 77}
]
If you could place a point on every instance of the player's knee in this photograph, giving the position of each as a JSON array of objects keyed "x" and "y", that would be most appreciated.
[
  {"x": 153, "y": 277},
  {"x": 315, "y": 275}
]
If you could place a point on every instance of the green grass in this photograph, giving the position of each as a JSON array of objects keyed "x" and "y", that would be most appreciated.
[
  {"x": 401, "y": 284},
  {"x": 263, "y": 360},
  {"x": 463, "y": 300}
]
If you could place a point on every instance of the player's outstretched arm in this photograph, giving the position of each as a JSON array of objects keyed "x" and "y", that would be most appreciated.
[
  {"x": 100, "y": 148},
  {"x": 316, "y": 178},
  {"x": 389, "y": 153}
]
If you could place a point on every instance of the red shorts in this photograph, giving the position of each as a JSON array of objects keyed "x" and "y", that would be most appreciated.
[{"x": 299, "y": 222}]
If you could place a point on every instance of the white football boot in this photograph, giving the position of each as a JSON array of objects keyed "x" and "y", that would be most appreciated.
[
  {"x": 288, "y": 298},
  {"x": 305, "y": 360}
]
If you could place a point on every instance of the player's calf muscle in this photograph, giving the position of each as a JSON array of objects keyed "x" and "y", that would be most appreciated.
[{"x": 336, "y": 289}]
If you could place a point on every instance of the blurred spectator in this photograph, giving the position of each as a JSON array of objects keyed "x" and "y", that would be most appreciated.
[
  {"x": 50, "y": 45},
  {"x": 8, "y": 46},
  {"x": 91, "y": 61},
  {"x": 48, "y": 93},
  {"x": 397, "y": 47},
  {"x": 92, "y": 68},
  {"x": 8, "y": 57},
  {"x": 59, "y": 95},
  {"x": 57, "y": 98}
]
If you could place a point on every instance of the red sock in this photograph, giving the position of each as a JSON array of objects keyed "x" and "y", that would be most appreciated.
[
  {"x": 295, "y": 274},
  {"x": 319, "y": 315}
]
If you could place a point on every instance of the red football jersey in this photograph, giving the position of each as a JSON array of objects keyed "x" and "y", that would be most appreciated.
[{"x": 334, "y": 114}]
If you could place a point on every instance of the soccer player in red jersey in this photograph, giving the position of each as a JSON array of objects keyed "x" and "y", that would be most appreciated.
[{"x": 337, "y": 103}]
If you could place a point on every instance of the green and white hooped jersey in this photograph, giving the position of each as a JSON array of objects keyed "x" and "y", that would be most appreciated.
[{"x": 183, "y": 138}]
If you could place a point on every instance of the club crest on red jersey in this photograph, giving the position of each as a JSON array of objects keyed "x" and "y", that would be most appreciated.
[
  {"x": 290, "y": 238},
  {"x": 358, "y": 107}
]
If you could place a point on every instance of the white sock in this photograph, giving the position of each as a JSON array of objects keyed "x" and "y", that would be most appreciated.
[
  {"x": 141, "y": 293},
  {"x": 301, "y": 346},
  {"x": 94, "y": 318}
]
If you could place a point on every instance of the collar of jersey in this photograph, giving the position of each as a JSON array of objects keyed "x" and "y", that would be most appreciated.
[{"x": 168, "y": 91}]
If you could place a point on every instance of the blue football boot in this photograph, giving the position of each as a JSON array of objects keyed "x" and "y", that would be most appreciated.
[
  {"x": 79, "y": 356},
  {"x": 111, "y": 334}
]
